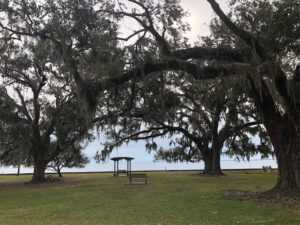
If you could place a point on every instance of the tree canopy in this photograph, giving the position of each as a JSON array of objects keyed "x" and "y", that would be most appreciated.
[
  {"x": 85, "y": 36},
  {"x": 40, "y": 114}
]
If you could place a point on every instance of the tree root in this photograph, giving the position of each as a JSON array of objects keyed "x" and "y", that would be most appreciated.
[
  {"x": 48, "y": 179},
  {"x": 213, "y": 174},
  {"x": 273, "y": 197}
]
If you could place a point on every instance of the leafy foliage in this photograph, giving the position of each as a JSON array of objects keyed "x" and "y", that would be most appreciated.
[
  {"x": 40, "y": 112},
  {"x": 110, "y": 73},
  {"x": 69, "y": 158}
]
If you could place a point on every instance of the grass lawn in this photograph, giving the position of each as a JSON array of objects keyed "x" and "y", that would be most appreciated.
[{"x": 170, "y": 198}]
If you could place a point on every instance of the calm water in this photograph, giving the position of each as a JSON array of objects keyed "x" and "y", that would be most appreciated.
[
  {"x": 144, "y": 160},
  {"x": 136, "y": 165}
]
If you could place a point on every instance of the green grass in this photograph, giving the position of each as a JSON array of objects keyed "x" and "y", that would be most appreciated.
[{"x": 170, "y": 198}]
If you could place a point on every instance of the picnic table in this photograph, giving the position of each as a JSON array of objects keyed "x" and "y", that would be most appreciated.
[{"x": 138, "y": 178}]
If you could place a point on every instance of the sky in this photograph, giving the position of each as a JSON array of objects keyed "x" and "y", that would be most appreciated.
[{"x": 200, "y": 13}]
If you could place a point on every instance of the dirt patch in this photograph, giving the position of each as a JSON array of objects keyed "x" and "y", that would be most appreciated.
[
  {"x": 50, "y": 181},
  {"x": 278, "y": 201},
  {"x": 208, "y": 175}
]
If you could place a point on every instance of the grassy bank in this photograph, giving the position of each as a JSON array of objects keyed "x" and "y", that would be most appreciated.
[{"x": 170, "y": 198}]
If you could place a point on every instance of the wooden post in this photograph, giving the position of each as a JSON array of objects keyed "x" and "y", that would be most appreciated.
[
  {"x": 115, "y": 168},
  {"x": 128, "y": 167}
]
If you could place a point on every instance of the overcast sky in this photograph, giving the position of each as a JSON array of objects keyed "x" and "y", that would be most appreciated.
[{"x": 200, "y": 16}]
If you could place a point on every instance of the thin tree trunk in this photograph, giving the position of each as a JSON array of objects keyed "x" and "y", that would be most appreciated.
[
  {"x": 18, "y": 174},
  {"x": 296, "y": 159},
  {"x": 59, "y": 172}
]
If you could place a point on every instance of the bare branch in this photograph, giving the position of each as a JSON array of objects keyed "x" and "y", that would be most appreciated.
[
  {"x": 163, "y": 44},
  {"x": 132, "y": 35}
]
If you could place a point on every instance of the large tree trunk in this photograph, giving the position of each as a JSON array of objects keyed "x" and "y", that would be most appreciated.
[
  {"x": 40, "y": 166},
  {"x": 212, "y": 162},
  {"x": 285, "y": 140},
  {"x": 216, "y": 163},
  {"x": 216, "y": 159},
  {"x": 286, "y": 144},
  {"x": 207, "y": 158}
]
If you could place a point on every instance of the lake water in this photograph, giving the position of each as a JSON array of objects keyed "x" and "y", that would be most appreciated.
[
  {"x": 136, "y": 166},
  {"x": 144, "y": 161}
]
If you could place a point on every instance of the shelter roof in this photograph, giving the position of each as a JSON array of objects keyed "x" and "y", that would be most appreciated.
[{"x": 120, "y": 158}]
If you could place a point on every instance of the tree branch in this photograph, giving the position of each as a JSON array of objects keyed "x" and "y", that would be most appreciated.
[
  {"x": 226, "y": 54},
  {"x": 249, "y": 39},
  {"x": 135, "y": 136},
  {"x": 199, "y": 73},
  {"x": 245, "y": 125},
  {"x": 182, "y": 130},
  {"x": 163, "y": 44},
  {"x": 132, "y": 35},
  {"x": 24, "y": 107}
]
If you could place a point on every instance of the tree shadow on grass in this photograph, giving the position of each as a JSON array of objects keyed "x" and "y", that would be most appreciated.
[{"x": 288, "y": 201}]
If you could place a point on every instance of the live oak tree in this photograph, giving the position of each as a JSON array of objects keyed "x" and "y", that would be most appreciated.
[
  {"x": 147, "y": 114},
  {"x": 197, "y": 118},
  {"x": 272, "y": 29},
  {"x": 265, "y": 58},
  {"x": 40, "y": 116},
  {"x": 39, "y": 62},
  {"x": 220, "y": 120}
]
